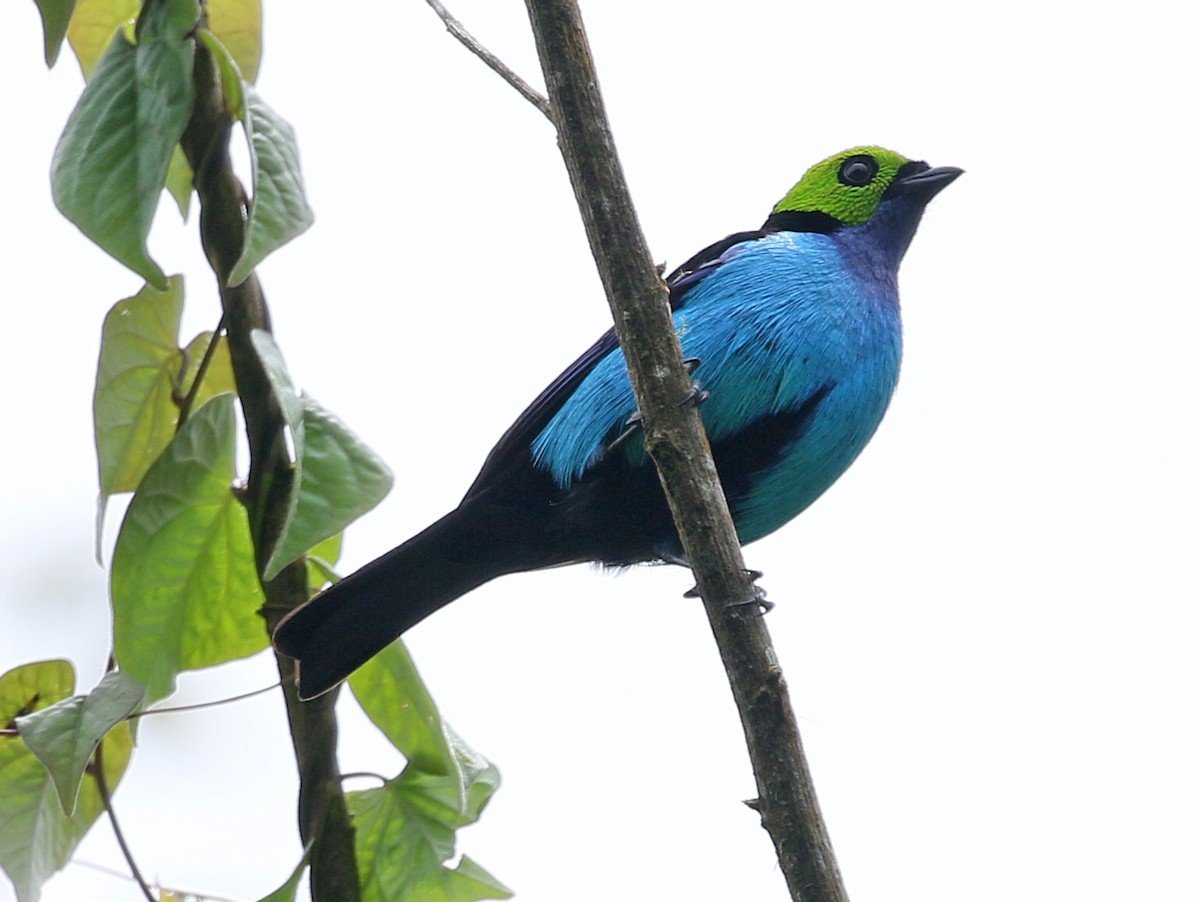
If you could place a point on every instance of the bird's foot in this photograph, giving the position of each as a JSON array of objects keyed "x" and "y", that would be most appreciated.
[
  {"x": 694, "y": 396},
  {"x": 632, "y": 427},
  {"x": 758, "y": 596}
]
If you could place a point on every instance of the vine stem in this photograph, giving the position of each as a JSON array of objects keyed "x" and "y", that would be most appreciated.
[
  {"x": 175, "y": 709},
  {"x": 324, "y": 818},
  {"x": 106, "y": 798}
]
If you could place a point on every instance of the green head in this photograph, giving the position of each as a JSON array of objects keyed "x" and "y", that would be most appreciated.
[{"x": 848, "y": 186}]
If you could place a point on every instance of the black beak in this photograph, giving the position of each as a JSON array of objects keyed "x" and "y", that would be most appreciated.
[{"x": 919, "y": 181}]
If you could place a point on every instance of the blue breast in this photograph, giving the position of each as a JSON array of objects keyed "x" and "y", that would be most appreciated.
[{"x": 781, "y": 320}]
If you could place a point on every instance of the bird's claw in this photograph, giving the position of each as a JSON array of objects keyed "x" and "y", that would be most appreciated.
[
  {"x": 757, "y": 597},
  {"x": 632, "y": 427},
  {"x": 694, "y": 396}
]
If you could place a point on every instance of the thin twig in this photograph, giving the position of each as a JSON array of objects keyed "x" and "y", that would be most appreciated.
[
  {"x": 173, "y": 890},
  {"x": 185, "y": 408},
  {"x": 490, "y": 59},
  {"x": 175, "y": 709},
  {"x": 106, "y": 798}
]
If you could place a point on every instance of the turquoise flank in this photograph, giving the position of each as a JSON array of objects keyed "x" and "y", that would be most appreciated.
[{"x": 778, "y": 318}]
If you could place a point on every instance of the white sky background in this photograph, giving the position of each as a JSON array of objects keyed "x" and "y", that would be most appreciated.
[{"x": 989, "y": 625}]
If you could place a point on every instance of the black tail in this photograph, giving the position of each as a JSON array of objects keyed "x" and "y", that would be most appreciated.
[{"x": 356, "y": 618}]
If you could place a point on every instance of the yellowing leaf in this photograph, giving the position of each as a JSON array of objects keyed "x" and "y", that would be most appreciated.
[
  {"x": 139, "y": 383},
  {"x": 36, "y": 838},
  {"x": 140, "y": 361},
  {"x": 238, "y": 23},
  {"x": 93, "y": 25},
  {"x": 179, "y": 182}
]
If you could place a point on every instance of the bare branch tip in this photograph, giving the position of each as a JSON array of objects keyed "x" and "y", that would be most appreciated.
[{"x": 490, "y": 59}]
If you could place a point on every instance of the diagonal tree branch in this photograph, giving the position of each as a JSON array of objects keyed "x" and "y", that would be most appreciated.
[
  {"x": 492, "y": 61},
  {"x": 675, "y": 440}
]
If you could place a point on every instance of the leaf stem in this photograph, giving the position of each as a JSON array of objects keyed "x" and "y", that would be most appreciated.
[{"x": 106, "y": 798}]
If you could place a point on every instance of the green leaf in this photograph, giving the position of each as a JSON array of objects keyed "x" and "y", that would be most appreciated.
[
  {"x": 404, "y": 832},
  {"x": 238, "y": 25},
  {"x": 337, "y": 477},
  {"x": 185, "y": 590},
  {"x": 287, "y": 892},
  {"x": 166, "y": 18},
  {"x": 392, "y": 694},
  {"x": 328, "y": 551},
  {"x": 281, "y": 384},
  {"x": 36, "y": 838},
  {"x": 340, "y": 480},
  {"x": 93, "y": 26},
  {"x": 279, "y": 211},
  {"x": 112, "y": 160},
  {"x": 179, "y": 181},
  {"x": 64, "y": 735},
  {"x": 232, "y": 87},
  {"x": 466, "y": 883},
  {"x": 56, "y": 16}
]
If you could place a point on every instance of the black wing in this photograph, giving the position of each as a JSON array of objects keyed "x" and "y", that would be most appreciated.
[
  {"x": 693, "y": 270},
  {"x": 513, "y": 447}
]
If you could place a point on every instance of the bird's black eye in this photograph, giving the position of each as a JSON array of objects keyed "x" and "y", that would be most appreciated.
[{"x": 858, "y": 170}]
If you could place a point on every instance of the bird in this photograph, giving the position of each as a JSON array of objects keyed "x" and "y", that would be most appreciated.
[{"x": 793, "y": 332}]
